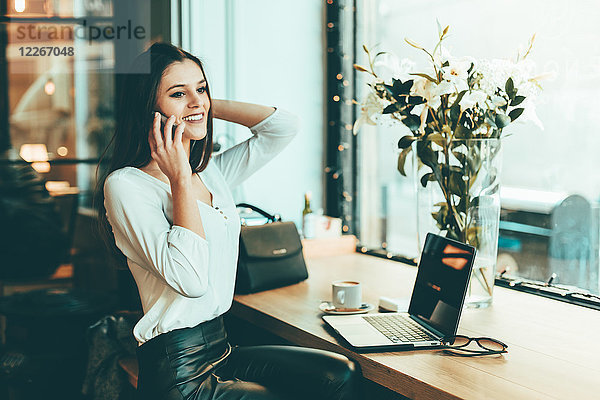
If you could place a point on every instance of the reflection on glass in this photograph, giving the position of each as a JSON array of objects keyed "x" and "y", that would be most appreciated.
[
  {"x": 440, "y": 288},
  {"x": 59, "y": 8},
  {"x": 60, "y": 85}
]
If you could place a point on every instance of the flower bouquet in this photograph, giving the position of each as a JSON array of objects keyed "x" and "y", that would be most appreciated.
[{"x": 456, "y": 111}]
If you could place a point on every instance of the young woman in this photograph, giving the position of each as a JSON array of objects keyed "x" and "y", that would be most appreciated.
[{"x": 172, "y": 215}]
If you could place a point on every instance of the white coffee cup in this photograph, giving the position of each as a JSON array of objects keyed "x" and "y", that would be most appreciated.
[{"x": 346, "y": 294}]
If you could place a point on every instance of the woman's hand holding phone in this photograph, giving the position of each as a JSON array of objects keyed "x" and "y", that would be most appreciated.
[{"x": 168, "y": 151}]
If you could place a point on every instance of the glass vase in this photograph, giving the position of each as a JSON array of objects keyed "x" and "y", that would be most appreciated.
[{"x": 458, "y": 196}]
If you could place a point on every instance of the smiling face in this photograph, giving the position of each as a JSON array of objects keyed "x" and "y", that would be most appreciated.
[{"x": 182, "y": 92}]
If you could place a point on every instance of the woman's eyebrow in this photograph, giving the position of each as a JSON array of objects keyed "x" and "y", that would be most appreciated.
[{"x": 183, "y": 85}]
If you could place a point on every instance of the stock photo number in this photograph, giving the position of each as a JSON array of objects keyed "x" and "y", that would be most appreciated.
[{"x": 46, "y": 51}]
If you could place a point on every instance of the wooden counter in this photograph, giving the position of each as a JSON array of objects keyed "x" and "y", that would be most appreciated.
[{"x": 553, "y": 346}]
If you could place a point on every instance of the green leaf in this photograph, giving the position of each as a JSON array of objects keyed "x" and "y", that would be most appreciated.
[
  {"x": 502, "y": 120},
  {"x": 461, "y": 132},
  {"x": 426, "y": 154},
  {"x": 437, "y": 138},
  {"x": 392, "y": 108},
  {"x": 456, "y": 184},
  {"x": 472, "y": 235},
  {"x": 462, "y": 206},
  {"x": 428, "y": 177},
  {"x": 389, "y": 90},
  {"x": 461, "y": 157},
  {"x": 509, "y": 87},
  {"x": 474, "y": 202},
  {"x": 406, "y": 141},
  {"x": 461, "y": 94},
  {"x": 412, "y": 121},
  {"x": 416, "y": 100},
  {"x": 516, "y": 113},
  {"x": 491, "y": 121},
  {"x": 429, "y": 78},
  {"x": 400, "y": 87},
  {"x": 455, "y": 109},
  {"x": 441, "y": 216},
  {"x": 517, "y": 100},
  {"x": 402, "y": 160}
]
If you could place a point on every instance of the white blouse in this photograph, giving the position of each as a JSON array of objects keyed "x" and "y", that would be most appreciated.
[{"x": 183, "y": 279}]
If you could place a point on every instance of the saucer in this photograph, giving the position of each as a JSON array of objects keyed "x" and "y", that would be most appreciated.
[{"x": 328, "y": 308}]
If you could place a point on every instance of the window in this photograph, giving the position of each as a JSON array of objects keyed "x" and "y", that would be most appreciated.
[
  {"x": 60, "y": 89},
  {"x": 58, "y": 83},
  {"x": 551, "y": 188}
]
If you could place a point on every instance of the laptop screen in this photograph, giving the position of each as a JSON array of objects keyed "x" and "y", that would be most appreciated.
[{"x": 441, "y": 283}]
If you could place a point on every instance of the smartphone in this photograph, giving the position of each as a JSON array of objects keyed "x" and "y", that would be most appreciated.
[{"x": 163, "y": 121}]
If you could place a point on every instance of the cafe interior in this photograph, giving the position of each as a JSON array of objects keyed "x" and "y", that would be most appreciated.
[{"x": 473, "y": 121}]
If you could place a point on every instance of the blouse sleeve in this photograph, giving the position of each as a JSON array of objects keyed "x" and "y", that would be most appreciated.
[
  {"x": 269, "y": 138},
  {"x": 142, "y": 232}
]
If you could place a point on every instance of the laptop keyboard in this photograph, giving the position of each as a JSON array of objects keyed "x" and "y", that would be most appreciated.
[{"x": 399, "y": 328}]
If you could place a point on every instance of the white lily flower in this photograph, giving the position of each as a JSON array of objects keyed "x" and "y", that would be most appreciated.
[
  {"x": 498, "y": 101},
  {"x": 483, "y": 82},
  {"x": 456, "y": 71},
  {"x": 431, "y": 91},
  {"x": 470, "y": 99},
  {"x": 372, "y": 106},
  {"x": 387, "y": 66},
  {"x": 441, "y": 56}
]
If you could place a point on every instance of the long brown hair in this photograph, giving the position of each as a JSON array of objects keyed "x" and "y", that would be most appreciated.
[{"x": 129, "y": 145}]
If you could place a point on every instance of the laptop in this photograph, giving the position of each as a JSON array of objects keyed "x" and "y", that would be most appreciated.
[{"x": 435, "y": 305}]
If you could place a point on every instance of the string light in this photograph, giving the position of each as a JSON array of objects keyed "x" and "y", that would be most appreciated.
[
  {"x": 340, "y": 93},
  {"x": 389, "y": 255},
  {"x": 363, "y": 249},
  {"x": 49, "y": 87},
  {"x": 19, "y": 6}
]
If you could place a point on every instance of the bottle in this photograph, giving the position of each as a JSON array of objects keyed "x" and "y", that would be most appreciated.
[{"x": 306, "y": 217}]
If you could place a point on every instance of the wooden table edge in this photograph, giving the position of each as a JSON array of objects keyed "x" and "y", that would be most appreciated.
[{"x": 371, "y": 370}]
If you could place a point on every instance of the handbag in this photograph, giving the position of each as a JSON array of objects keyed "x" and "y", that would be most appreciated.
[{"x": 270, "y": 255}]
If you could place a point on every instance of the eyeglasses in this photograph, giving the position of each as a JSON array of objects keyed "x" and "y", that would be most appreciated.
[{"x": 457, "y": 345}]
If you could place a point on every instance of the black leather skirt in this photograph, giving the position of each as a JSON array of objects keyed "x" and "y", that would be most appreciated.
[{"x": 198, "y": 363}]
